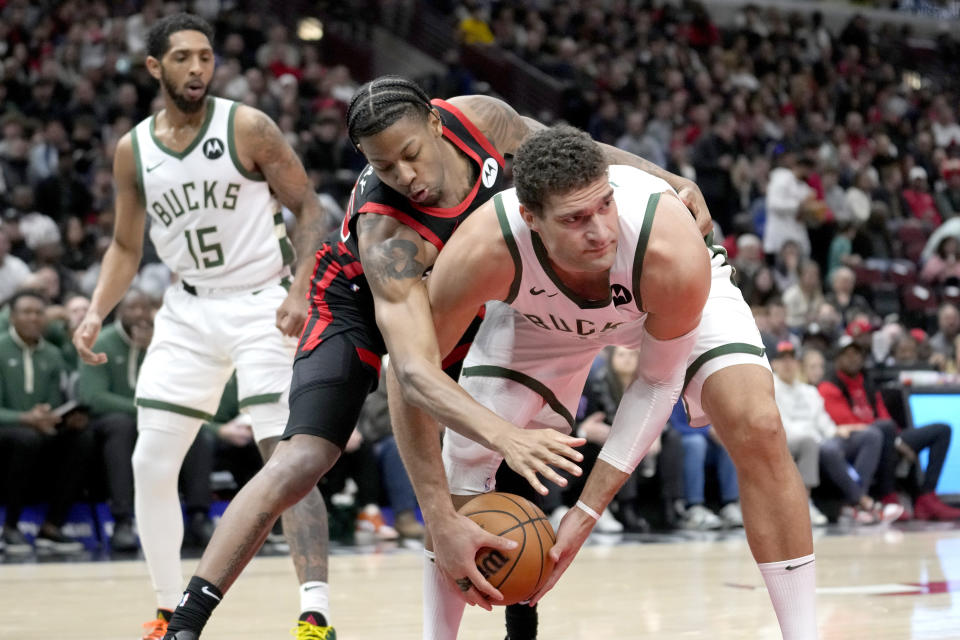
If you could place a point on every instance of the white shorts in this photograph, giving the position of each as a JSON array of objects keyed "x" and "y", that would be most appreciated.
[
  {"x": 535, "y": 379},
  {"x": 199, "y": 341}
]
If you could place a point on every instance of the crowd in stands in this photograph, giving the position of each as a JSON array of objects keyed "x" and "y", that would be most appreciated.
[{"x": 830, "y": 161}]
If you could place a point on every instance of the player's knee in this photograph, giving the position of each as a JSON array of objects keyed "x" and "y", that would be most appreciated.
[
  {"x": 297, "y": 465},
  {"x": 150, "y": 469},
  {"x": 759, "y": 436}
]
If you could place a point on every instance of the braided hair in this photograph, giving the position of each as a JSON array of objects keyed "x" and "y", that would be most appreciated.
[{"x": 381, "y": 102}]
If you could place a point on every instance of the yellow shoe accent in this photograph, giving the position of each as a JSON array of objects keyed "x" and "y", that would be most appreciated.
[{"x": 308, "y": 631}]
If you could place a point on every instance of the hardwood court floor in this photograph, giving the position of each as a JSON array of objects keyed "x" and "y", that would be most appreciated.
[{"x": 707, "y": 587}]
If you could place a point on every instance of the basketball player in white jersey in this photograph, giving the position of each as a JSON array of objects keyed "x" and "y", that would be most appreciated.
[
  {"x": 584, "y": 256},
  {"x": 211, "y": 175}
]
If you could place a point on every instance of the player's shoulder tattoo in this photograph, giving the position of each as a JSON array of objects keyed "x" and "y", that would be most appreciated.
[
  {"x": 498, "y": 121},
  {"x": 395, "y": 259}
]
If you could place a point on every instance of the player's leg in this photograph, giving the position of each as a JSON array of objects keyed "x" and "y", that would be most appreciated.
[
  {"x": 772, "y": 495},
  {"x": 729, "y": 384},
  {"x": 179, "y": 386},
  {"x": 327, "y": 390},
  {"x": 163, "y": 440}
]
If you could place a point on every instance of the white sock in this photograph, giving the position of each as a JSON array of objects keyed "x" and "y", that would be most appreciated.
[
  {"x": 442, "y": 607},
  {"x": 792, "y": 585},
  {"x": 162, "y": 443},
  {"x": 315, "y": 596}
]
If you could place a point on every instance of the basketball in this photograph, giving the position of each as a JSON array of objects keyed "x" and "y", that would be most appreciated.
[{"x": 518, "y": 573}]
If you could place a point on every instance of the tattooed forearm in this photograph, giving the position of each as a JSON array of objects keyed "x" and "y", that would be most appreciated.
[{"x": 395, "y": 259}]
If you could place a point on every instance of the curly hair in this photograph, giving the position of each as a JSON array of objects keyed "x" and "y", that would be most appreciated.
[
  {"x": 381, "y": 102},
  {"x": 555, "y": 161},
  {"x": 158, "y": 38}
]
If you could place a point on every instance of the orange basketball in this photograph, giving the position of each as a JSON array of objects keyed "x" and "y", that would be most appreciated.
[{"x": 518, "y": 573}]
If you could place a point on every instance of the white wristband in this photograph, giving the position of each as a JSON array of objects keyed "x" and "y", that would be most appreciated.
[{"x": 587, "y": 510}]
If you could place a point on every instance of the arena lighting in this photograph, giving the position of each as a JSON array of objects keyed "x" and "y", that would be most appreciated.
[
  {"x": 912, "y": 80},
  {"x": 310, "y": 29}
]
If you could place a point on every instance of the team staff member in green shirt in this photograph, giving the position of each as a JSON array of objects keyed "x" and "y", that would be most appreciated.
[
  {"x": 36, "y": 444},
  {"x": 108, "y": 393}
]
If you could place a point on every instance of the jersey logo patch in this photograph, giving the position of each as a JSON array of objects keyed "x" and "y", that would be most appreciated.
[
  {"x": 213, "y": 148},
  {"x": 489, "y": 172},
  {"x": 620, "y": 294}
]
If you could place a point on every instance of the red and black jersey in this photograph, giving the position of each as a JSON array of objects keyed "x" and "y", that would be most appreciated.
[{"x": 340, "y": 297}]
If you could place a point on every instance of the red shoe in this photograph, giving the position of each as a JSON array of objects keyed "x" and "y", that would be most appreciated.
[
  {"x": 929, "y": 507},
  {"x": 894, "y": 499}
]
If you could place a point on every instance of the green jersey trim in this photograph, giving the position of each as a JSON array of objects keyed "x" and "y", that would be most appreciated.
[
  {"x": 263, "y": 398},
  {"x": 139, "y": 165},
  {"x": 511, "y": 246},
  {"x": 493, "y": 371},
  {"x": 642, "y": 239},
  {"x": 287, "y": 253},
  {"x": 577, "y": 299},
  {"x": 716, "y": 352},
  {"x": 255, "y": 176},
  {"x": 211, "y": 105},
  {"x": 190, "y": 412}
]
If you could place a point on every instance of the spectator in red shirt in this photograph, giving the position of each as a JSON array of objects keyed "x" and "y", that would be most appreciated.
[
  {"x": 852, "y": 401},
  {"x": 919, "y": 200}
]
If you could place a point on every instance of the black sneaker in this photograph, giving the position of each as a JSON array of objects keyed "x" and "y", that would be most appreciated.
[
  {"x": 124, "y": 539},
  {"x": 51, "y": 538},
  {"x": 15, "y": 543},
  {"x": 181, "y": 635}
]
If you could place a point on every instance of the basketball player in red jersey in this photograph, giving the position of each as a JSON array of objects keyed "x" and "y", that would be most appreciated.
[{"x": 431, "y": 163}]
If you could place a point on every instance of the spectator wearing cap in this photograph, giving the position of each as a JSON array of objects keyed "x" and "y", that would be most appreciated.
[
  {"x": 805, "y": 421},
  {"x": 919, "y": 200},
  {"x": 948, "y": 198},
  {"x": 859, "y": 436},
  {"x": 948, "y": 327},
  {"x": 803, "y": 299},
  {"x": 944, "y": 264},
  {"x": 788, "y": 194},
  {"x": 856, "y": 405},
  {"x": 847, "y": 303}
]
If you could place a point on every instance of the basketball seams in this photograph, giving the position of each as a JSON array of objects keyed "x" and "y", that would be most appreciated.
[{"x": 535, "y": 518}]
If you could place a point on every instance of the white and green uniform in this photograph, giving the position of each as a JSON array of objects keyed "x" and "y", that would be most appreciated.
[
  {"x": 219, "y": 228},
  {"x": 532, "y": 354}
]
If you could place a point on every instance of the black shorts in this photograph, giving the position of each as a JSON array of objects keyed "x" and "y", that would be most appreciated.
[
  {"x": 329, "y": 385},
  {"x": 338, "y": 358}
]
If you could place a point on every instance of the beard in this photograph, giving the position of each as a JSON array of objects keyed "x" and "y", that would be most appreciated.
[{"x": 183, "y": 103}]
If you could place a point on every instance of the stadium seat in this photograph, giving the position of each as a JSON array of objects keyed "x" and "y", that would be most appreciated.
[{"x": 903, "y": 272}]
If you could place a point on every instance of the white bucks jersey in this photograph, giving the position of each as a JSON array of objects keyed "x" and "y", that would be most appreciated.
[
  {"x": 539, "y": 294},
  {"x": 213, "y": 222}
]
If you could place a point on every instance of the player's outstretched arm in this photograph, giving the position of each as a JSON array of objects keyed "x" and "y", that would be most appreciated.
[
  {"x": 674, "y": 286},
  {"x": 507, "y": 130},
  {"x": 122, "y": 259},
  {"x": 261, "y": 143}
]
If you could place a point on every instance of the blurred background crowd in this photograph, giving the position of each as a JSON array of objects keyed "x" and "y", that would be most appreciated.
[{"x": 827, "y": 148}]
